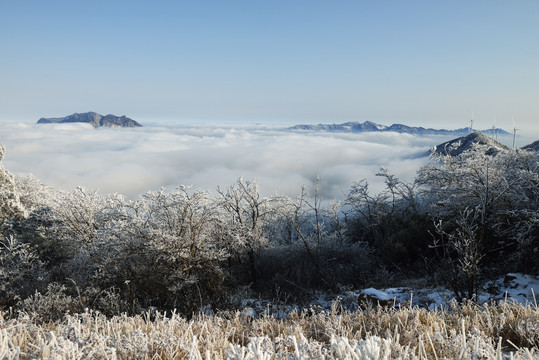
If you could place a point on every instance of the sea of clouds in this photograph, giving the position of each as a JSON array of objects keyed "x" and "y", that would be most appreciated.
[{"x": 134, "y": 161}]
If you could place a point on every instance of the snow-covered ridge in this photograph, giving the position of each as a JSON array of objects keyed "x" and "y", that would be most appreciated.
[{"x": 369, "y": 126}]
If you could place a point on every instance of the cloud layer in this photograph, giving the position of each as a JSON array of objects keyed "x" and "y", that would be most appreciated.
[{"x": 133, "y": 161}]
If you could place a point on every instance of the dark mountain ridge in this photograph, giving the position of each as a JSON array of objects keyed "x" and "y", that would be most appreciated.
[
  {"x": 369, "y": 126},
  {"x": 534, "y": 146},
  {"x": 95, "y": 119}
]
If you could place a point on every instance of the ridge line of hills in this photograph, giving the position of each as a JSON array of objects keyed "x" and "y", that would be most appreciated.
[
  {"x": 464, "y": 139},
  {"x": 369, "y": 126}
]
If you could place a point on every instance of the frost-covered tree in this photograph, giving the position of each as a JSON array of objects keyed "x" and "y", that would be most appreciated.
[
  {"x": 392, "y": 221},
  {"x": 518, "y": 224},
  {"x": 315, "y": 225},
  {"x": 472, "y": 179},
  {"x": 21, "y": 271},
  {"x": 11, "y": 209},
  {"x": 167, "y": 249},
  {"x": 499, "y": 189},
  {"x": 318, "y": 254},
  {"x": 246, "y": 214},
  {"x": 461, "y": 252},
  {"x": 34, "y": 194},
  {"x": 493, "y": 185}
]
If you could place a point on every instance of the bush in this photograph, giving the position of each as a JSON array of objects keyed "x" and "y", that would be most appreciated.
[
  {"x": 53, "y": 305},
  {"x": 21, "y": 272},
  {"x": 290, "y": 270}
]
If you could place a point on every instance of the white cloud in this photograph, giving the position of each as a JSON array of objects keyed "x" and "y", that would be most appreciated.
[{"x": 133, "y": 161}]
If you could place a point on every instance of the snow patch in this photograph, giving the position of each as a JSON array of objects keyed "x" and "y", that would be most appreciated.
[
  {"x": 377, "y": 294},
  {"x": 519, "y": 287}
]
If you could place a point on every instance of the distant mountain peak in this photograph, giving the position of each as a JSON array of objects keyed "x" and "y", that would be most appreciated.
[{"x": 94, "y": 119}]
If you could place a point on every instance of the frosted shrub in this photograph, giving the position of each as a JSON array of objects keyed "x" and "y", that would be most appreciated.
[
  {"x": 461, "y": 252},
  {"x": 319, "y": 254},
  {"x": 54, "y": 304},
  {"x": 289, "y": 269},
  {"x": 499, "y": 193},
  {"x": 249, "y": 220},
  {"x": 165, "y": 250},
  {"x": 392, "y": 222},
  {"x": 113, "y": 302},
  {"x": 186, "y": 249},
  {"x": 11, "y": 208},
  {"x": 21, "y": 272},
  {"x": 33, "y": 194}
]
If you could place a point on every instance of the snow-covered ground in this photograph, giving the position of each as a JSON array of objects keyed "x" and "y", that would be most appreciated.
[
  {"x": 520, "y": 287},
  {"x": 512, "y": 287}
]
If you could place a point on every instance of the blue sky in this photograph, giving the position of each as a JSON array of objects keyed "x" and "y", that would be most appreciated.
[{"x": 427, "y": 63}]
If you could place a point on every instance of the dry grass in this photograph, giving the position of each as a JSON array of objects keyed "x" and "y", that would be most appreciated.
[{"x": 506, "y": 330}]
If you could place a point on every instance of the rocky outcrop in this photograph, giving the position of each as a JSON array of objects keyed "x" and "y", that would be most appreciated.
[{"x": 94, "y": 119}]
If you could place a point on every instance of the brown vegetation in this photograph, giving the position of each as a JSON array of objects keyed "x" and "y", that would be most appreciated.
[{"x": 469, "y": 331}]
